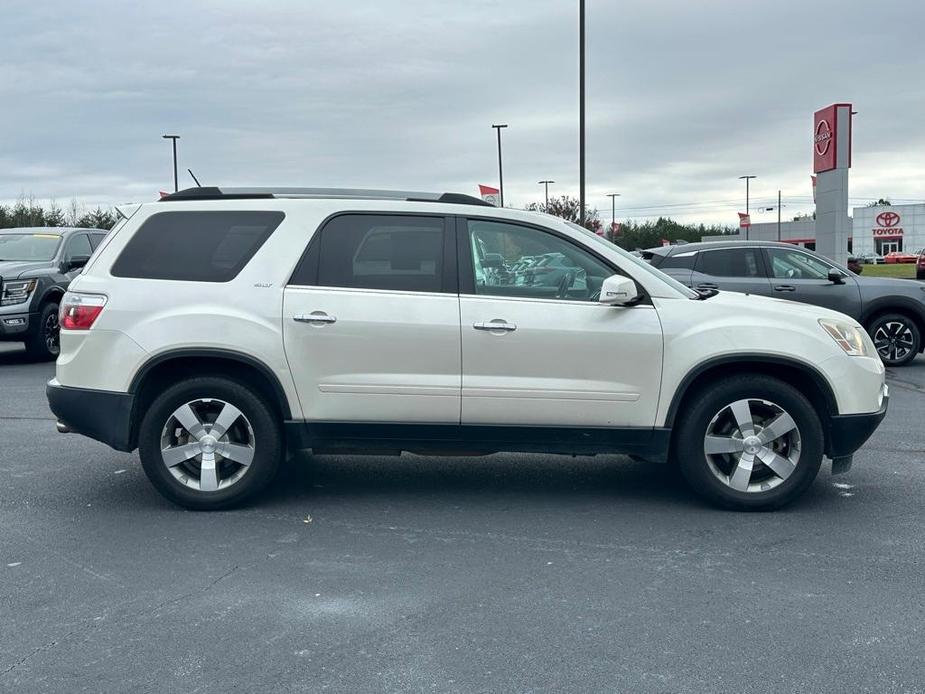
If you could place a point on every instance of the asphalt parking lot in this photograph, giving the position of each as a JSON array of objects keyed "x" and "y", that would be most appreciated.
[{"x": 498, "y": 574}]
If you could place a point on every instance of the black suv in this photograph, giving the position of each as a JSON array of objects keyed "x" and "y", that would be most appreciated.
[
  {"x": 892, "y": 310},
  {"x": 36, "y": 266}
]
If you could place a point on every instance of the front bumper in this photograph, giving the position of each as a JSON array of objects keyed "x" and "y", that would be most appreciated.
[
  {"x": 99, "y": 414},
  {"x": 15, "y": 326},
  {"x": 848, "y": 432}
]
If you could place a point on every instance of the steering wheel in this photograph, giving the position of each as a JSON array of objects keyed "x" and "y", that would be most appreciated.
[{"x": 565, "y": 284}]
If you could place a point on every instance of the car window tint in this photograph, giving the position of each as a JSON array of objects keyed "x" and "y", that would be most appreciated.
[
  {"x": 392, "y": 252},
  {"x": 793, "y": 264},
  {"x": 512, "y": 260},
  {"x": 96, "y": 239},
  {"x": 195, "y": 246},
  {"x": 731, "y": 262},
  {"x": 79, "y": 245},
  {"x": 682, "y": 261}
]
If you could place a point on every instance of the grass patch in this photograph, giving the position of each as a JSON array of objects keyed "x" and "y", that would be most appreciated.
[{"x": 900, "y": 270}]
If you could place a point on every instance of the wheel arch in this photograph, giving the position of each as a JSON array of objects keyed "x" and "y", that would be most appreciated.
[
  {"x": 806, "y": 378},
  {"x": 169, "y": 367}
]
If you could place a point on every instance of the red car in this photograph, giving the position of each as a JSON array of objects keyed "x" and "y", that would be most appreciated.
[{"x": 899, "y": 257}]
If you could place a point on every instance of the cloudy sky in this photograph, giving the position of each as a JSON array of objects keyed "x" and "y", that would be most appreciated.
[{"x": 684, "y": 97}]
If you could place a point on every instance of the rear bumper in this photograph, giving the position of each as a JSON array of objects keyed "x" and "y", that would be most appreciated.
[
  {"x": 99, "y": 414},
  {"x": 848, "y": 432}
]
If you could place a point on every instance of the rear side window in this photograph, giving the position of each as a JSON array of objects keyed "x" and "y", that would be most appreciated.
[
  {"x": 195, "y": 246},
  {"x": 682, "y": 261},
  {"x": 382, "y": 252},
  {"x": 731, "y": 262}
]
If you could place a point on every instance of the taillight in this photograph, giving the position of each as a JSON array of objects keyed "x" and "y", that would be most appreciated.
[{"x": 79, "y": 311}]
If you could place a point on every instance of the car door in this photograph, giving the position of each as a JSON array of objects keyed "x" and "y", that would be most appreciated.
[
  {"x": 678, "y": 265},
  {"x": 371, "y": 321},
  {"x": 541, "y": 354},
  {"x": 77, "y": 248},
  {"x": 734, "y": 269},
  {"x": 802, "y": 276}
]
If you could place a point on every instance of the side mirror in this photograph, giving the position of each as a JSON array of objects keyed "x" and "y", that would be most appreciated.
[
  {"x": 836, "y": 276},
  {"x": 618, "y": 290},
  {"x": 76, "y": 262}
]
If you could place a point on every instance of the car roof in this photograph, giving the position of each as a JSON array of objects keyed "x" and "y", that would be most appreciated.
[{"x": 63, "y": 231}]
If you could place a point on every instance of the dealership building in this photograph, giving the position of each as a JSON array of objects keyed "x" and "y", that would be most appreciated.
[{"x": 879, "y": 229}]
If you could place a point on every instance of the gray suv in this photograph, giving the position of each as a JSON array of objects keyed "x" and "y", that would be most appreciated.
[
  {"x": 36, "y": 267},
  {"x": 892, "y": 310}
]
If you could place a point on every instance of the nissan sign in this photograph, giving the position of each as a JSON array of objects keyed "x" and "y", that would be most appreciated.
[{"x": 825, "y": 129}]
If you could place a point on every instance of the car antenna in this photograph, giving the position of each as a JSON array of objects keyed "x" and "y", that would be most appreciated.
[{"x": 198, "y": 184}]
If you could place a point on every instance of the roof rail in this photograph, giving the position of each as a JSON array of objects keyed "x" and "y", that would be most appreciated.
[{"x": 216, "y": 193}]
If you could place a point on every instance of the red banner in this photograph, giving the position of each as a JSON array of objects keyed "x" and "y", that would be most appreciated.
[{"x": 744, "y": 220}]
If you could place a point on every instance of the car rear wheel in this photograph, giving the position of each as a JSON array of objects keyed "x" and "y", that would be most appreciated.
[
  {"x": 43, "y": 344},
  {"x": 210, "y": 443},
  {"x": 897, "y": 338},
  {"x": 749, "y": 443}
]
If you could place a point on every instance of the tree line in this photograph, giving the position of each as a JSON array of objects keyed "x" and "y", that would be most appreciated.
[
  {"x": 26, "y": 212},
  {"x": 631, "y": 235}
]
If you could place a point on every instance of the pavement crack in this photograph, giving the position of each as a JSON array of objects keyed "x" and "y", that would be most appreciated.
[{"x": 189, "y": 594}]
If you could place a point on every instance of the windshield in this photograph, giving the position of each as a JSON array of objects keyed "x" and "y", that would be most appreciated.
[
  {"x": 638, "y": 262},
  {"x": 36, "y": 247}
]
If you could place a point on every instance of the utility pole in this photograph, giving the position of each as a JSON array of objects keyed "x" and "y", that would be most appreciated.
[
  {"x": 500, "y": 170},
  {"x": 747, "y": 179},
  {"x": 174, "y": 138},
  {"x": 778, "y": 215},
  {"x": 546, "y": 183},
  {"x": 581, "y": 110},
  {"x": 613, "y": 210}
]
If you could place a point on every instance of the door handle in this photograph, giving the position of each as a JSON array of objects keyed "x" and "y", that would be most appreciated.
[
  {"x": 496, "y": 324},
  {"x": 784, "y": 288},
  {"x": 314, "y": 317},
  {"x": 707, "y": 285}
]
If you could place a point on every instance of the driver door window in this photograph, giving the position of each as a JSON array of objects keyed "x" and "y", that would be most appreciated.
[
  {"x": 515, "y": 261},
  {"x": 792, "y": 264}
]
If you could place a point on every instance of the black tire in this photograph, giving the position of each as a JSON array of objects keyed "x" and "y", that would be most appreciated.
[
  {"x": 699, "y": 412},
  {"x": 43, "y": 343},
  {"x": 268, "y": 446},
  {"x": 883, "y": 329}
]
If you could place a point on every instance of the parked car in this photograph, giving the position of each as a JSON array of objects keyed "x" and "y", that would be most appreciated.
[
  {"x": 920, "y": 266},
  {"x": 358, "y": 321},
  {"x": 854, "y": 264},
  {"x": 899, "y": 257},
  {"x": 892, "y": 310},
  {"x": 871, "y": 259},
  {"x": 36, "y": 267}
]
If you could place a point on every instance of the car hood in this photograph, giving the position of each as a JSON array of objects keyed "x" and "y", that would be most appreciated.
[
  {"x": 781, "y": 308},
  {"x": 892, "y": 285},
  {"x": 13, "y": 269}
]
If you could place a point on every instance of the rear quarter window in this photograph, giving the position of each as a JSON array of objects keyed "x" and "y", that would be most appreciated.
[
  {"x": 682, "y": 261},
  {"x": 195, "y": 246}
]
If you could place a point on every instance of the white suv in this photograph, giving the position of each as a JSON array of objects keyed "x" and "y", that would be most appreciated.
[{"x": 219, "y": 327}]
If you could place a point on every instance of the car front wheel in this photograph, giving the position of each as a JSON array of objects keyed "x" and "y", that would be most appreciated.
[
  {"x": 210, "y": 443},
  {"x": 749, "y": 443},
  {"x": 897, "y": 338}
]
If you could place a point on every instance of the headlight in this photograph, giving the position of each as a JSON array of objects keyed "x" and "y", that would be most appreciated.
[
  {"x": 16, "y": 292},
  {"x": 850, "y": 338}
]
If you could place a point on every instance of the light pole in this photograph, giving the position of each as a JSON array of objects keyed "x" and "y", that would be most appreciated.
[
  {"x": 747, "y": 179},
  {"x": 174, "y": 138},
  {"x": 546, "y": 183},
  {"x": 778, "y": 215},
  {"x": 613, "y": 210},
  {"x": 581, "y": 111},
  {"x": 500, "y": 170}
]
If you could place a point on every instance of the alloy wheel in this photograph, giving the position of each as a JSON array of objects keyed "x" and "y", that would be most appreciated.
[
  {"x": 207, "y": 444},
  {"x": 51, "y": 334},
  {"x": 752, "y": 445},
  {"x": 894, "y": 340}
]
